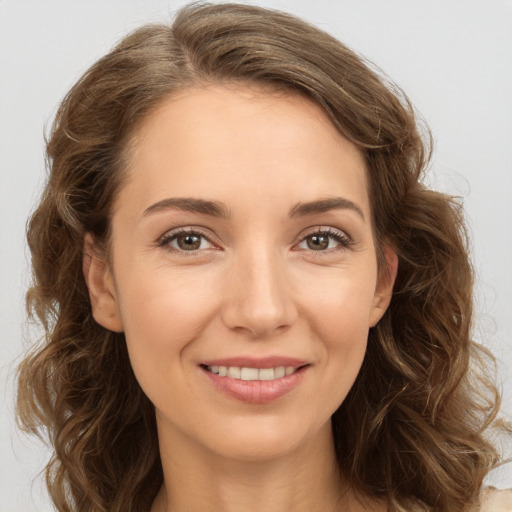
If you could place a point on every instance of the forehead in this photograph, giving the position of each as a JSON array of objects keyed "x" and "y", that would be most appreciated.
[{"x": 225, "y": 140}]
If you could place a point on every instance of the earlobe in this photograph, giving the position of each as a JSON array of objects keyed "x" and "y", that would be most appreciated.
[
  {"x": 384, "y": 289},
  {"x": 100, "y": 284}
]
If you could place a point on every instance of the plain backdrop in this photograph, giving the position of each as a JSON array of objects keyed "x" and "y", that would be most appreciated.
[{"x": 452, "y": 57}]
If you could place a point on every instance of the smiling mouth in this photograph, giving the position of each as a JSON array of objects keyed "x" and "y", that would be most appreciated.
[
  {"x": 251, "y": 374},
  {"x": 255, "y": 385}
]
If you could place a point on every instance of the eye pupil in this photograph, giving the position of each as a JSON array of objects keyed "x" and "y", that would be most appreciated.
[
  {"x": 189, "y": 242},
  {"x": 318, "y": 242}
]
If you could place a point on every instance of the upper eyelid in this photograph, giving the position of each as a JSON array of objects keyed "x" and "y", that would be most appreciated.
[
  {"x": 186, "y": 229},
  {"x": 329, "y": 230},
  {"x": 172, "y": 233},
  {"x": 345, "y": 243}
]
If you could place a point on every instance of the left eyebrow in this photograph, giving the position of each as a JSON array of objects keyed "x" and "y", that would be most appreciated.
[{"x": 324, "y": 205}]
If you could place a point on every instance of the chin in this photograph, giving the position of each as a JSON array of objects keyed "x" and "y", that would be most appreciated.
[{"x": 266, "y": 439}]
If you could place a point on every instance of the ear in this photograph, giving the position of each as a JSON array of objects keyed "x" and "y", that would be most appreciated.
[
  {"x": 102, "y": 292},
  {"x": 384, "y": 289}
]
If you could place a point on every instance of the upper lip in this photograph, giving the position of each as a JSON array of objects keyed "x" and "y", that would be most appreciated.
[{"x": 256, "y": 362}]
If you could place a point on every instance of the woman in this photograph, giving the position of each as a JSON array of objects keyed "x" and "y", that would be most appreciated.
[{"x": 251, "y": 302}]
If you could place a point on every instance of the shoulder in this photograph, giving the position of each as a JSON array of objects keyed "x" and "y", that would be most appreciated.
[{"x": 493, "y": 500}]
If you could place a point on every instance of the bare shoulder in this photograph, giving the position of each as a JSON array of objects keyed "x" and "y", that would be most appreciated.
[{"x": 493, "y": 500}]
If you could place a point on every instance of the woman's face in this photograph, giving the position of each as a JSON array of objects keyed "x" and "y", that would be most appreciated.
[{"x": 244, "y": 270}]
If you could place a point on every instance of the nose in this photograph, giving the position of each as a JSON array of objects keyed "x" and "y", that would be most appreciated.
[{"x": 259, "y": 295}]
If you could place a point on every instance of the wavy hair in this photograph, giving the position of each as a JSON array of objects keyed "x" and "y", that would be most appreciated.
[{"x": 411, "y": 430}]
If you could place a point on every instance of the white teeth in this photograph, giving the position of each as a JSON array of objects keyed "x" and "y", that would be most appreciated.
[
  {"x": 249, "y": 373},
  {"x": 245, "y": 373},
  {"x": 234, "y": 372},
  {"x": 266, "y": 374},
  {"x": 279, "y": 372}
]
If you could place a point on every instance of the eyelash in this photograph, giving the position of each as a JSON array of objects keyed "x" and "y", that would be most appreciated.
[
  {"x": 341, "y": 238},
  {"x": 164, "y": 241}
]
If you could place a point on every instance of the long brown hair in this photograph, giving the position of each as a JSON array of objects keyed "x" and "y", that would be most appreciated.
[{"x": 411, "y": 429}]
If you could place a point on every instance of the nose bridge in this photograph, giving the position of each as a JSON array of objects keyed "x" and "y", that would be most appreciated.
[{"x": 259, "y": 299}]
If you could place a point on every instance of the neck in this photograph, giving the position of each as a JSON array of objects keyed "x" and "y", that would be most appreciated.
[{"x": 197, "y": 479}]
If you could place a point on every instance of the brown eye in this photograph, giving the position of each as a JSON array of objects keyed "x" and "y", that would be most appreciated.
[
  {"x": 186, "y": 241},
  {"x": 326, "y": 241},
  {"x": 317, "y": 242},
  {"x": 189, "y": 242}
]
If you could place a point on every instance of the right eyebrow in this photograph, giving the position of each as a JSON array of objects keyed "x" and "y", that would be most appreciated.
[{"x": 189, "y": 204}]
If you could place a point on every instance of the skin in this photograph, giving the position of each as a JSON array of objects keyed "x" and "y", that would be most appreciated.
[{"x": 257, "y": 285}]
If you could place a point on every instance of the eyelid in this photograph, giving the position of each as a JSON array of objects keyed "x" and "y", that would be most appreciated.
[
  {"x": 344, "y": 239},
  {"x": 164, "y": 240}
]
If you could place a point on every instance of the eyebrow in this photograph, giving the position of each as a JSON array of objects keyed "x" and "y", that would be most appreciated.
[
  {"x": 218, "y": 209},
  {"x": 190, "y": 204},
  {"x": 325, "y": 205}
]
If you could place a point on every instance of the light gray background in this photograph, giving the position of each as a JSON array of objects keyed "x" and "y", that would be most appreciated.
[{"x": 453, "y": 58}]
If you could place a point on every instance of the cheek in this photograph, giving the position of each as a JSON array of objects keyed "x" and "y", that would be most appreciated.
[
  {"x": 162, "y": 313},
  {"x": 339, "y": 303},
  {"x": 338, "y": 313},
  {"x": 344, "y": 332},
  {"x": 159, "y": 302}
]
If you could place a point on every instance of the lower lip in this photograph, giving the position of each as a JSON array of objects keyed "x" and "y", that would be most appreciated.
[{"x": 256, "y": 391}]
